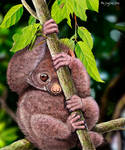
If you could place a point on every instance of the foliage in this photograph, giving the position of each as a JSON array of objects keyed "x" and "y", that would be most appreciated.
[
  {"x": 13, "y": 16},
  {"x": 31, "y": 20},
  {"x": 84, "y": 53},
  {"x": 62, "y": 9},
  {"x": 21, "y": 40}
]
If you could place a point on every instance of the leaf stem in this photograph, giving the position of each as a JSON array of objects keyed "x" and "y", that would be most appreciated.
[{"x": 76, "y": 27}]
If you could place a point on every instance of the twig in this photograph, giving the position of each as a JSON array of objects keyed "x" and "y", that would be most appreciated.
[
  {"x": 19, "y": 145},
  {"x": 119, "y": 107},
  {"x": 29, "y": 9},
  {"x": 104, "y": 99},
  {"x": 5, "y": 107}
]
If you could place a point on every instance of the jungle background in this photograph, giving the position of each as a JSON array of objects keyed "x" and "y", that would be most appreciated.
[{"x": 108, "y": 31}]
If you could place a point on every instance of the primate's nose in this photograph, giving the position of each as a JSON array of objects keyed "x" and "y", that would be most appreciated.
[{"x": 56, "y": 88}]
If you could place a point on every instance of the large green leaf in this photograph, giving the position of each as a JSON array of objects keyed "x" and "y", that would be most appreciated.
[
  {"x": 62, "y": 10},
  {"x": 79, "y": 8},
  {"x": 12, "y": 16},
  {"x": 23, "y": 39},
  {"x": 85, "y": 35},
  {"x": 84, "y": 53},
  {"x": 93, "y": 5}
]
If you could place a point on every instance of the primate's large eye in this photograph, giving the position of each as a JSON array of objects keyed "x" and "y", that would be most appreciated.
[{"x": 44, "y": 77}]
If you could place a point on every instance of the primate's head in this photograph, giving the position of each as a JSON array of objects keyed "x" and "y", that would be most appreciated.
[
  {"x": 44, "y": 77},
  {"x": 34, "y": 68}
]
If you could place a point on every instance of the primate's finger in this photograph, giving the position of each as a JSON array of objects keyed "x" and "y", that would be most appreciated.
[
  {"x": 72, "y": 116},
  {"x": 79, "y": 123},
  {"x": 62, "y": 54},
  {"x": 76, "y": 118},
  {"x": 59, "y": 60},
  {"x": 54, "y": 30},
  {"x": 75, "y": 108},
  {"x": 50, "y": 26},
  {"x": 61, "y": 64},
  {"x": 71, "y": 105},
  {"x": 49, "y": 21},
  {"x": 79, "y": 127}
]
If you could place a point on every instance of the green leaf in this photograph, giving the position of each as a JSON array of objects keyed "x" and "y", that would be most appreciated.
[
  {"x": 68, "y": 42},
  {"x": 79, "y": 9},
  {"x": 84, "y": 53},
  {"x": 12, "y": 16},
  {"x": 23, "y": 39},
  {"x": 85, "y": 35},
  {"x": 31, "y": 20},
  {"x": 93, "y": 5},
  {"x": 62, "y": 10}
]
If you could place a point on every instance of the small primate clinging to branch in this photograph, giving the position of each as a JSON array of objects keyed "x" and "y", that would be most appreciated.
[{"x": 42, "y": 114}]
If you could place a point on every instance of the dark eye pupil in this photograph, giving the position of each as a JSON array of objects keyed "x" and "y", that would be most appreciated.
[{"x": 44, "y": 77}]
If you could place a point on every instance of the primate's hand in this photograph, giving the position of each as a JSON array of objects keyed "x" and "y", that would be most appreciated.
[
  {"x": 50, "y": 27},
  {"x": 75, "y": 123}
]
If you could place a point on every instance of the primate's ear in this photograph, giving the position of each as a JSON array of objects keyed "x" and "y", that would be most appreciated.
[{"x": 22, "y": 63}]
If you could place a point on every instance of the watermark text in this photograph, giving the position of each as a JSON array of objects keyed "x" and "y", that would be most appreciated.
[{"x": 110, "y": 3}]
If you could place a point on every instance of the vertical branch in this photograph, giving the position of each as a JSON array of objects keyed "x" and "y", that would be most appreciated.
[
  {"x": 119, "y": 107},
  {"x": 63, "y": 73}
]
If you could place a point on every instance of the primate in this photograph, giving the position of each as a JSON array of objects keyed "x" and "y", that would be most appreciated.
[{"x": 42, "y": 114}]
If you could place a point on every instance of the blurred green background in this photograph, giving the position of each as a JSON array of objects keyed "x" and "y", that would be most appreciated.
[{"x": 108, "y": 31}]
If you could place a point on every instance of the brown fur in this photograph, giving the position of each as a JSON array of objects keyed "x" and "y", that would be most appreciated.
[{"x": 41, "y": 115}]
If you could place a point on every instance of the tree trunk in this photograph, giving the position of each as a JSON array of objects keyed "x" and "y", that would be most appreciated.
[{"x": 63, "y": 73}]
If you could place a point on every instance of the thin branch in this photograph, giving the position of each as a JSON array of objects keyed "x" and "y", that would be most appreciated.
[
  {"x": 119, "y": 107},
  {"x": 109, "y": 126},
  {"x": 29, "y": 9},
  {"x": 104, "y": 99},
  {"x": 5, "y": 107},
  {"x": 19, "y": 145},
  {"x": 113, "y": 86}
]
